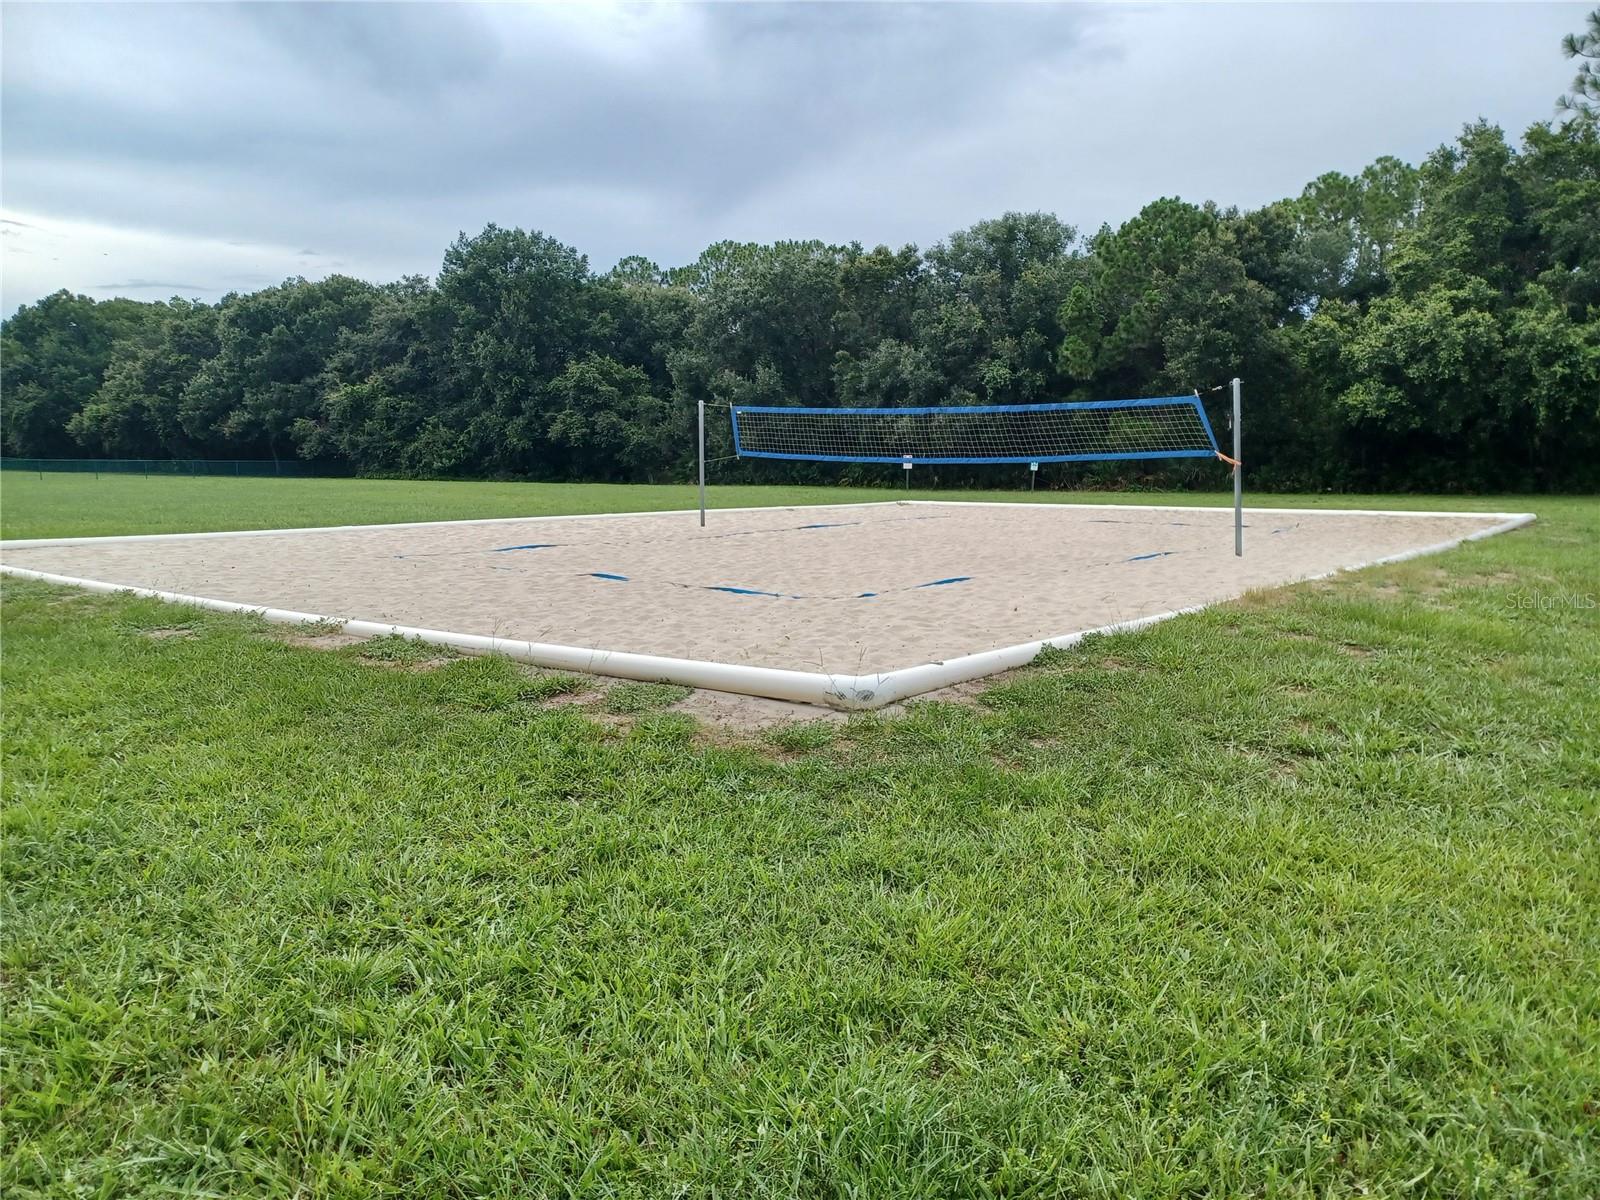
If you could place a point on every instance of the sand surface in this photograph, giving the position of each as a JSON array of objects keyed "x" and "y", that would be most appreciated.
[{"x": 840, "y": 588}]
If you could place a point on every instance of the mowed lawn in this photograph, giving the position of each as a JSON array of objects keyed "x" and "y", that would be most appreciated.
[
  {"x": 1296, "y": 897},
  {"x": 76, "y": 505}
]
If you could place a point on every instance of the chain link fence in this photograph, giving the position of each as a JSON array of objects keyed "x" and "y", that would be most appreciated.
[{"x": 283, "y": 467}]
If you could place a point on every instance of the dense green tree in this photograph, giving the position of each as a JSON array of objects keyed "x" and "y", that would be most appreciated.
[
  {"x": 1350, "y": 226},
  {"x": 1473, "y": 222},
  {"x": 392, "y": 389},
  {"x": 763, "y": 331},
  {"x": 54, "y": 355},
  {"x": 1584, "y": 99},
  {"x": 523, "y": 308},
  {"x": 136, "y": 411},
  {"x": 1549, "y": 395},
  {"x": 268, "y": 374},
  {"x": 714, "y": 261},
  {"x": 637, "y": 270},
  {"x": 1472, "y": 371},
  {"x": 607, "y": 423},
  {"x": 1184, "y": 297},
  {"x": 880, "y": 293},
  {"x": 1166, "y": 304},
  {"x": 1273, "y": 251},
  {"x": 879, "y": 360},
  {"x": 994, "y": 295},
  {"x": 1560, "y": 177},
  {"x": 641, "y": 325},
  {"x": 1426, "y": 363}
]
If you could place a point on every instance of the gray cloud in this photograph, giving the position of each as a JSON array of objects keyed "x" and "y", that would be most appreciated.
[
  {"x": 155, "y": 285},
  {"x": 350, "y": 102},
  {"x": 214, "y": 140}
]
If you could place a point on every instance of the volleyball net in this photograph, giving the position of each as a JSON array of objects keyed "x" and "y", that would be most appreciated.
[
  {"x": 1071, "y": 431},
  {"x": 1156, "y": 427}
]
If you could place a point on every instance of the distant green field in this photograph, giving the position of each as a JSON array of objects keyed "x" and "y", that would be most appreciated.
[
  {"x": 1297, "y": 897},
  {"x": 75, "y": 505}
]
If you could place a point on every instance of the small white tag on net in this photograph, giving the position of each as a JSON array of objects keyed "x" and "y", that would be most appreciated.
[
  {"x": 1033, "y": 466},
  {"x": 906, "y": 463}
]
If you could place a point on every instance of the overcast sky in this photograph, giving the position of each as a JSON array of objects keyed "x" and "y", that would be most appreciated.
[{"x": 153, "y": 150}]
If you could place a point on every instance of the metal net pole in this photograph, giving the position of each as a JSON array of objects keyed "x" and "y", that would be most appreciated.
[
  {"x": 702, "y": 425},
  {"x": 1238, "y": 478}
]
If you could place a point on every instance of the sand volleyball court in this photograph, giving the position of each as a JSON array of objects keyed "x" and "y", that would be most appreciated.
[{"x": 849, "y": 605}]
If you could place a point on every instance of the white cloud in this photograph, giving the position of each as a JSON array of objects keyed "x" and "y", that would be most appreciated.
[{"x": 43, "y": 254}]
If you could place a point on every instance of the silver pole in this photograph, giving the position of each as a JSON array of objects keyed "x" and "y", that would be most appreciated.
[
  {"x": 1238, "y": 478},
  {"x": 702, "y": 417}
]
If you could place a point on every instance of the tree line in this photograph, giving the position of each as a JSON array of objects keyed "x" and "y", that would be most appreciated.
[{"x": 1432, "y": 327}]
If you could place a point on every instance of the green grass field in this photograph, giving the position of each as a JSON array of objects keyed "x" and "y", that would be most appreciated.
[
  {"x": 1296, "y": 897},
  {"x": 67, "y": 505}
]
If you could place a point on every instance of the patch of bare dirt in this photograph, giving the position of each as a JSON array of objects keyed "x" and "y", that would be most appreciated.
[
  {"x": 167, "y": 632},
  {"x": 83, "y": 599},
  {"x": 1286, "y": 770},
  {"x": 565, "y": 699},
  {"x": 293, "y": 635},
  {"x": 1352, "y": 649},
  {"x": 752, "y": 714}
]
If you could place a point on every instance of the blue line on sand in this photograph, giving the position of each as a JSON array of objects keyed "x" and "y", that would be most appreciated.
[
  {"x": 830, "y": 525},
  {"x": 940, "y": 582},
  {"x": 607, "y": 575},
  {"x": 1142, "y": 557},
  {"x": 739, "y": 591},
  {"x": 529, "y": 546}
]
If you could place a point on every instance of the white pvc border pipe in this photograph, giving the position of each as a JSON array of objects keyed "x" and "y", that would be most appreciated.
[{"x": 851, "y": 692}]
